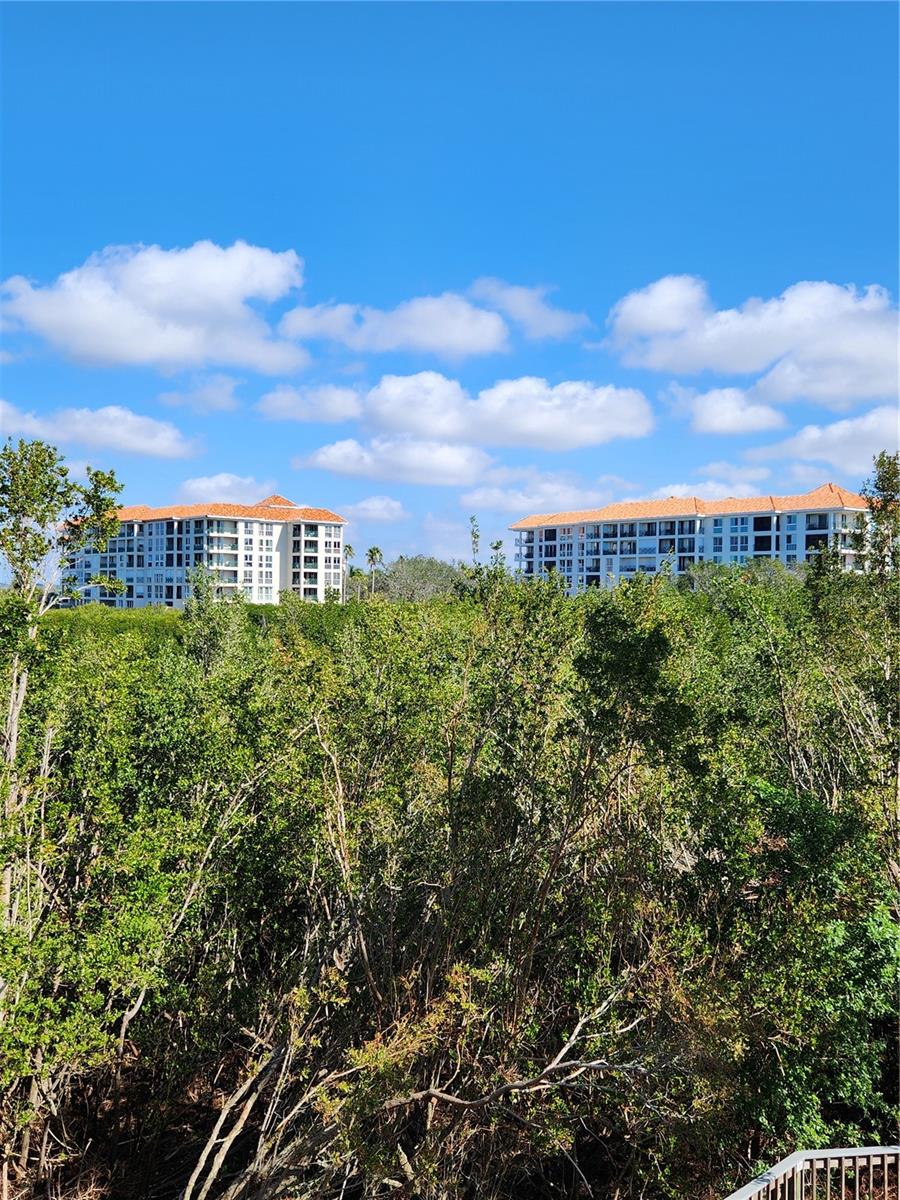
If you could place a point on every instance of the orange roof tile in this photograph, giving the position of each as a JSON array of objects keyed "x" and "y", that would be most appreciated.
[
  {"x": 277, "y": 501},
  {"x": 829, "y": 495},
  {"x": 273, "y": 508}
]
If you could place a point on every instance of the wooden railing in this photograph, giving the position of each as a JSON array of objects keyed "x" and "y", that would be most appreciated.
[{"x": 859, "y": 1173}]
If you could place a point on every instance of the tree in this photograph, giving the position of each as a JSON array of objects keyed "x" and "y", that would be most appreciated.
[
  {"x": 348, "y": 555},
  {"x": 45, "y": 518},
  {"x": 877, "y": 541},
  {"x": 523, "y": 895},
  {"x": 374, "y": 558},
  {"x": 421, "y": 577}
]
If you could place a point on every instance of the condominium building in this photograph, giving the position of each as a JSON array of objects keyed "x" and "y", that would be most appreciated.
[
  {"x": 597, "y": 547},
  {"x": 258, "y": 550}
]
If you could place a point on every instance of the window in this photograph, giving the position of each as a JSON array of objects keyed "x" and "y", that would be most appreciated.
[
  {"x": 717, "y": 544},
  {"x": 791, "y": 521},
  {"x": 740, "y": 523},
  {"x": 647, "y": 529},
  {"x": 717, "y": 524},
  {"x": 739, "y": 542}
]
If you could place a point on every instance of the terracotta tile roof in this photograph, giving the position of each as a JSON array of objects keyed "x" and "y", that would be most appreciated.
[
  {"x": 277, "y": 501},
  {"x": 829, "y": 495},
  {"x": 273, "y": 508}
]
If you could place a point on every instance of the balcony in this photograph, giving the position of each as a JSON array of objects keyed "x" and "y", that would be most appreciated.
[{"x": 859, "y": 1173}]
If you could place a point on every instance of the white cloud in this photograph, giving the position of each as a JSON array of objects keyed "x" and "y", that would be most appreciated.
[
  {"x": 403, "y": 459},
  {"x": 671, "y": 305},
  {"x": 448, "y": 325},
  {"x": 146, "y": 306},
  {"x": 735, "y": 474},
  {"x": 226, "y": 489},
  {"x": 706, "y": 489},
  {"x": 207, "y": 394},
  {"x": 848, "y": 445},
  {"x": 818, "y": 340},
  {"x": 724, "y": 410},
  {"x": 719, "y": 479},
  {"x": 514, "y": 412},
  {"x": 539, "y": 491},
  {"x": 529, "y": 309},
  {"x": 805, "y": 475},
  {"x": 377, "y": 508},
  {"x": 109, "y": 428},
  {"x": 326, "y": 403},
  {"x": 448, "y": 539}
]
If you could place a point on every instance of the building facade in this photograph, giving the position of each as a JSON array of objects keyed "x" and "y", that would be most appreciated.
[
  {"x": 597, "y": 547},
  {"x": 258, "y": 550}
]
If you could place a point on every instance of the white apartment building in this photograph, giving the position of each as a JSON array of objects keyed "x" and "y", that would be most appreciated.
[
  {"x": 256, "y": 549},
  {"x": 597, "y": 547}
]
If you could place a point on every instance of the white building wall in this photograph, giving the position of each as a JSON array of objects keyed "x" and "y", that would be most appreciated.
[
  {"x": 600, "y": 554},
  {"x": 258, "y": 558}
]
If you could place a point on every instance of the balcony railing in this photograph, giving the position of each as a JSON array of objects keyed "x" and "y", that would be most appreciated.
[{"x": 859, "y": 1173}]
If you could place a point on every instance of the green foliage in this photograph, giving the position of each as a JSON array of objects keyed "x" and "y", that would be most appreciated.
[
  {"x": 46, "y": 516},
  {"x": 500, "y": 895},
  {"x": 877, "y": 542},
  {"x": 420, "y": 577}
]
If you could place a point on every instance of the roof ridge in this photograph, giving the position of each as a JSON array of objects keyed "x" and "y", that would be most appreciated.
[{"x": 827, "y": 494}]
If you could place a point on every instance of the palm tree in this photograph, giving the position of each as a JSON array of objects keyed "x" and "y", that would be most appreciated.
[
  {"x": 348, "y": 554},
  {"x": 374, "y": 558}
]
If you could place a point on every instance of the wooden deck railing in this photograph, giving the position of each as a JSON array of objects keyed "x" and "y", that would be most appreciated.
[{"x": 859, "y": 1173}]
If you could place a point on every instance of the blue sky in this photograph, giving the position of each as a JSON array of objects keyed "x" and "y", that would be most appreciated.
[{"x": 418, "y": 261}]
